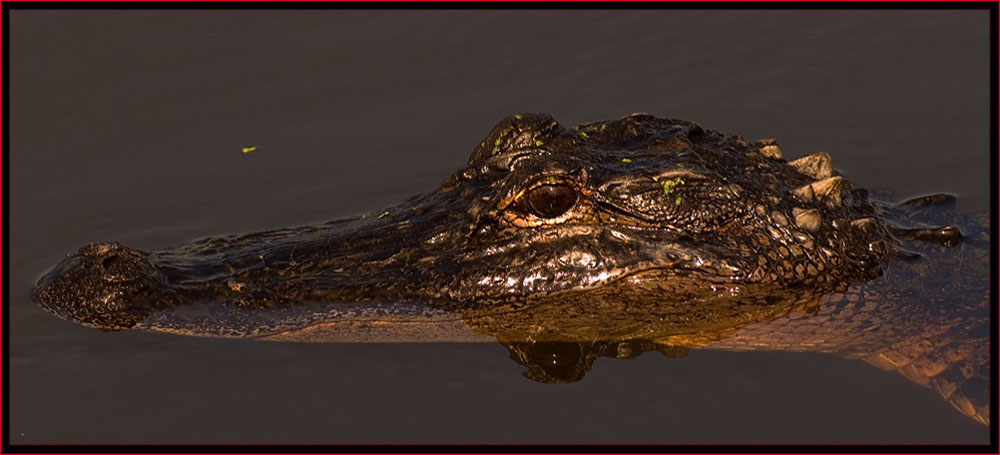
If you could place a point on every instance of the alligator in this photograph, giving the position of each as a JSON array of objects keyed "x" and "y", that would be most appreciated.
[{"x": 608, "y": 238}]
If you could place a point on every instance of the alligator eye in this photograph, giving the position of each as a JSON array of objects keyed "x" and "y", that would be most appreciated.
[{"x": 550, "y": 201}]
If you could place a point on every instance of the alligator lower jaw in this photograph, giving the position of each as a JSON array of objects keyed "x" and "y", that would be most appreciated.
[{"x": 386, "y": 329}]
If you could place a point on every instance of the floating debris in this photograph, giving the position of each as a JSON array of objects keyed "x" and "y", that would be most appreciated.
[
  {"x": 384, "y": 214},
  {"x": 249, "y": 149},
  {"x": 626, "y": 160}
]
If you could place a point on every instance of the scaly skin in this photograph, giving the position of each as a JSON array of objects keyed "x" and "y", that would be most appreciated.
[{"x": 644, "y": 232}]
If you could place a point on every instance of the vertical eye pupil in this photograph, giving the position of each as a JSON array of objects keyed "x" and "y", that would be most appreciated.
[{"x": 551, "y": 201}]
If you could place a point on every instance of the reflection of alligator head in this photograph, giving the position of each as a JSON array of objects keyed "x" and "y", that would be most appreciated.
[
  {"x": 641, "y": 229},
  {"x": 560, "y": 362}
]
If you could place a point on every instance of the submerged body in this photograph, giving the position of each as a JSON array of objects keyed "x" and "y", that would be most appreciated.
[{"x": 610, "y": 237}]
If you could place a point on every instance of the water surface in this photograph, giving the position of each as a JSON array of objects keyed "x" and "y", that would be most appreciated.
[{"x": 129, "y": 126}]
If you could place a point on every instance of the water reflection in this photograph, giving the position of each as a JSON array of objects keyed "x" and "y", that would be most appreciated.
[{"x": 563, "y": 362}]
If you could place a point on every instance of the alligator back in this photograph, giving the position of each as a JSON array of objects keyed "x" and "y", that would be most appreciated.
[{"x": 926, "y": 317}]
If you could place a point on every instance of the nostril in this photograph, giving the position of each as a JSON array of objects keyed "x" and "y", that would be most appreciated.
[{"x": 109, "y": 261}]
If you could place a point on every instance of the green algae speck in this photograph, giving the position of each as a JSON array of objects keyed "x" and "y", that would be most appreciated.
[
  {"x": 669, "y": 185},
  {"x": 496, "y": 147}
]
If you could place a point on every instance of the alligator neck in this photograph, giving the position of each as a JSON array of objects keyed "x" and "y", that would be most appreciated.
[{"x": 927, "y": 318}]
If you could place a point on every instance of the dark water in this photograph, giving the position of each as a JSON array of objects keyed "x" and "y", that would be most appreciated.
[{"x": 129, "y": 126}]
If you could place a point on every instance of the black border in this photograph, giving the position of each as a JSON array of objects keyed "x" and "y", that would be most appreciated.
[
  {"x": 8, "y": 6},
  {"x": 528, "y": 5}
]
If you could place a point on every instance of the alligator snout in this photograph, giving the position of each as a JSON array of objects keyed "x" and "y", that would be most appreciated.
[{"x": 104, "y": 285}]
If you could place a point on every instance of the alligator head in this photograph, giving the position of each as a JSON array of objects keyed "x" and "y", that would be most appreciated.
[{"x": 603, "y": 215}]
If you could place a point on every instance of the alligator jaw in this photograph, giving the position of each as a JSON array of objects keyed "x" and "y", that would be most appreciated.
[
  {"x": 248, "y": 285},
  {"x": 333, "y": 279}
]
